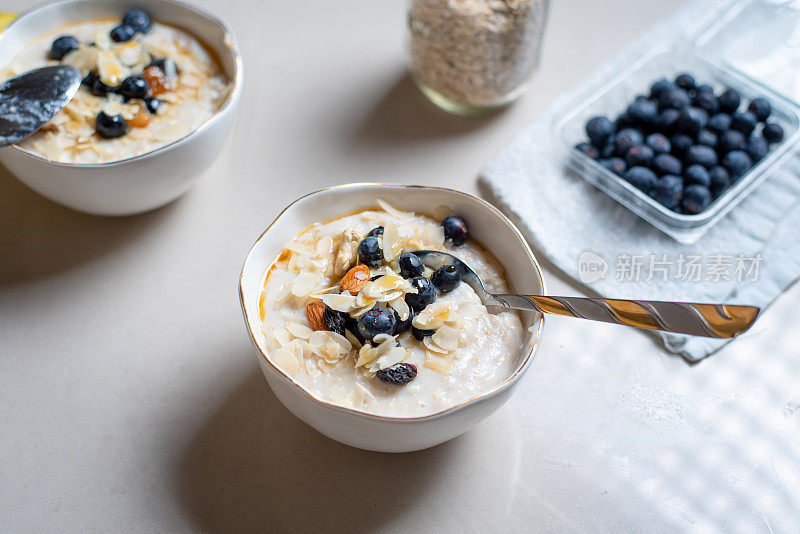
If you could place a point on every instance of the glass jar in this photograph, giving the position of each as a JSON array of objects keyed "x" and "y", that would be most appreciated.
[{"x": 472, "y": 56}]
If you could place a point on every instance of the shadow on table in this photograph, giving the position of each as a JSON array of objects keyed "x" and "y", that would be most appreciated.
[
  {"x": 39, "y": 238},
  {"x": 255, "y": 467},
  {"x": 403, "y": 114}
]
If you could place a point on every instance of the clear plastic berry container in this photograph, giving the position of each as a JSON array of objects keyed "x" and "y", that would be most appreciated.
[{"x": 618, "y": 90}]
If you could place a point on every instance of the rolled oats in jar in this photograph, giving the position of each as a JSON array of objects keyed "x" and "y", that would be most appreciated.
[{"x": 470, "y": 56}]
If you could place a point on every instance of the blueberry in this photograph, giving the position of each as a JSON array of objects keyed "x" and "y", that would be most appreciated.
[
  {"x": 110, "y": 127},
  {"x": 95, "y": 86},
  {"x": 704, "y": 89},
  {"x": 599, "y": 130},
  {"x": 685, "y": 81},
  {"x": 756, "y": 147},
  {"x": 369, "y": 252},
  {"x": 426, "y": 293},
  {"x": 400, "y": 325},
  {"x": 608, "y": 151},
  {"x": 666, "y": 164},
  {"x": 659, "y": 143},
  {"x": 680, "y": 144},
  {"x": 720, "y": 180},
  {"x": 691, "y": 121},
  {"x": 588, "y": 149},
  {"x": 744, "y": 122},
  {"x": 702, "y": 155},
  {"x": 627, "y": 139},
  {"x": 697, "y": 174},
  {"x": 761, "y": 108},
  {"x": 719, "y": 122},
  {"x": 641, "y": 178},
  {"x": 376, "y": 321},
  {"x": 730, "y": 140},
  {"x": 398, "y": 374},
  {"x": 446, "y": 278},
  {"x": 668, "y": 191},
  {"x": 729, "y": 101},
  {"x": 63, "y": 46},
  {"x": 660, "y": 87},
  {"x": 640, "y": 155},
  {"x": 737, "y": 163},
  {"x": 376, "y": 232},
  {"x": 772, "y": 132},
  {"x": 665, "y": 122},
  {"x": 707, "y": 102},
  {"x": 138, "y": 20},
  {"x": 336, "y": 321},
  {"x": 696, "y": 198},
  {"x": 455, "y": 230},
  {"x": 420, "y": 334},
  {"x": 122, "y": 33},
  {"x": 410, "y": 265},
  {"x": 675, "y": 98},
  {"x": 707, "y": 137},
  {"x": 152, "y": 105},
  {"x": 622, "y": 121},
  {"x": 134, "y": 87},
  {"x": 615, "y": 165},
  {"x": 643, "y": 112}
]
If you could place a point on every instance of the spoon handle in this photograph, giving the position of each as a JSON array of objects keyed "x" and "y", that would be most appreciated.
[{"x": 708, "y": 320}]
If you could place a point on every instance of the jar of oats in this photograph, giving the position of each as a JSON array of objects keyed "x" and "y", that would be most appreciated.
[{"x": 471, "y": 56}]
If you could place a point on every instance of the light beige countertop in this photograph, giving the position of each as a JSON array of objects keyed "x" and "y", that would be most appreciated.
[{"x": 132, "y": 400}]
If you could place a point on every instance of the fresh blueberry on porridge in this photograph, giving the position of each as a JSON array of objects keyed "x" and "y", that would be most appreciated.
[
  {"x": 357, "y": 320},
  {"x": 146, "y": 84}
]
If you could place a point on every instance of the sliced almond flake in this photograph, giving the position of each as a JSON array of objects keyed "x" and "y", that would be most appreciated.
[
  {"x": 311, "y": 367},
  {"x": 355, "y": 343},
  {"x": 302, "y": 249},
  {"x": 361, "y": 312},
  {"x": 110, "y": 70},
  {"x": 324, "y": 246},
  {"x": 344, "y": 343},
  {"x": 470, "y": 310},
  {"x": 432, "y": 346},
  {"x": 325, "y": 290},
  {"x": 392, "y": 243},
  {"x": 385, "y": 206},
  {"x": 366, "y": 355},
  {"x": 401, "y": 307},
  {"x": 299, "y": 330},
  {"x": 392, "y": 357},
  {"x": 432, "y": 317},
  {"x": 305, "y": 284},
  {"x": 287, "y": 361},
  {"x": 439, "y": 364},
  {"x": 342, "y": 303},
  {"x": 446, "y": 338}
]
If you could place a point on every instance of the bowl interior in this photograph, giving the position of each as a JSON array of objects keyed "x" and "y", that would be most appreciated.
[{"x": 487, "y": 225}]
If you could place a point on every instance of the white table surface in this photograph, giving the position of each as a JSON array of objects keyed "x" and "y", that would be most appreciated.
[{"x": 131, "y": 400}]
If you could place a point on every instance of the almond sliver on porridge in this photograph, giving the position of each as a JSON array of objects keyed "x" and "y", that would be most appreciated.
[{"x": 355, "y": 319}]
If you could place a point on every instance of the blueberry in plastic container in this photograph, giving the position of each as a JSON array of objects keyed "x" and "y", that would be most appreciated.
[
  {"x": 666, "y": 164},
  {"x": 761, "y": 108},
  {"x": 675, "y": 98},
  {"x": 744, "y": 122},
  {"x": 643, "y": 112},
  {"x": 685, "y": 81},
  {"x": 659, "y": 143},
  {"x": 707, "y": 137},
  {"x": 640, "y": 155},
  {"x": 626, "y": 139},
  {"x": 641, "y": 178},
  {"x": 680, "y": 144},
  {"x": 701, "y": 155},
  {"x": 731, "y": 140},
  {"x": 691, "y": 121},
  {"x": 756, "y": 147},
  {"x": 707, "y": 102},
  {"x": 660, "y": 87},
  {"x": 697, "y": 174},
  {"x": 588, "y": 149},
  {"x": 720, "y": 180},
  {"x": 772, "y": 132},
  {"x": 719, "y": 122},
  {"x": 737, "y": 163},
  {"x": 666, "y": 120},
  {"x": 668, "y": 191},
  {"x": 599, "y": 130},
  {"x": 705, "y": 88},
  {"x": 615, "y": 165},
  {"x": 696, "y": 198},
  {"x": 729, "y": 101}
]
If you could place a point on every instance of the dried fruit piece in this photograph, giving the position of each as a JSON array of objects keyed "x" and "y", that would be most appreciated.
[
  {"x": 141, "y": 119},
  {"x": 336, "y": 321},
  {"x": 157, "y": 80},
  {"x": 399, "y": 374},
  {"x": 315, "y": 313},
  {"x": 354, "y": 279}
]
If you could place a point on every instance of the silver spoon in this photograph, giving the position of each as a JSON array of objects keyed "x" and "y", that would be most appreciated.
[
  {"x": 708, "y": 320},
  {"x": 30, "y": 100}
]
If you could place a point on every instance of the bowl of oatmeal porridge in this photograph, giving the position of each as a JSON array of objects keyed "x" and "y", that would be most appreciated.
[
  {"x": 366, "y": 344},
  {"x": 161, "y": 83}
]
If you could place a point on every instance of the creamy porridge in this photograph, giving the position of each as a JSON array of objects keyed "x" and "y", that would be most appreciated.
[
  {"x": 357, "y": 320},
  {"x": 146, "y": 84}
]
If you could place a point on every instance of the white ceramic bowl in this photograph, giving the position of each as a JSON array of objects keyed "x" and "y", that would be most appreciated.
[
  {"x": 144, "y": 182},
  {"x": 355, "y": 427}
]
